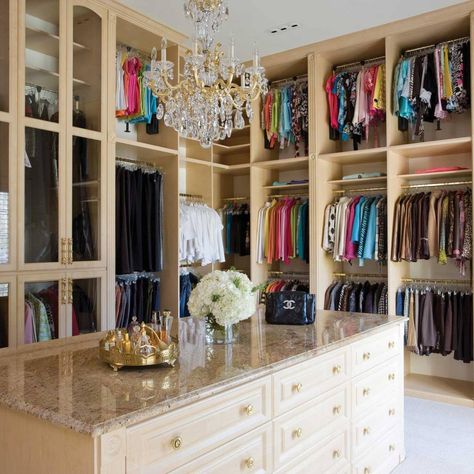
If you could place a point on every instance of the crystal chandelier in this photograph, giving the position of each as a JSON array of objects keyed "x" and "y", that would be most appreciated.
[{"x": 206, "y": 104}]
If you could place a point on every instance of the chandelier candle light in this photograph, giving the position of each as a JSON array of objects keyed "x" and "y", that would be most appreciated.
[{"x": 206, "y": 105}]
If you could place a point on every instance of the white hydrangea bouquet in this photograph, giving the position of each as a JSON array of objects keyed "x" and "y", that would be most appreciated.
[{"x": 223, "y": 298}]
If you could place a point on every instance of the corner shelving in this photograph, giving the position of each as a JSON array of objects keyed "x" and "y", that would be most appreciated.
[
  {"x": 231, "y": 149},
  {"x": 146, "y": 151},
  {"x": 371, "y": 155},
  {"x": 283, "y": 164}
]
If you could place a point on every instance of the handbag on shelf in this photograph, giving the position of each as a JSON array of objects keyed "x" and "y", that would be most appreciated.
[{"x": 290, "y": 307}]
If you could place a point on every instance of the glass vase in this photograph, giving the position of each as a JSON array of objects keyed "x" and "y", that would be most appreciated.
[{"x": 217, "y": 334}]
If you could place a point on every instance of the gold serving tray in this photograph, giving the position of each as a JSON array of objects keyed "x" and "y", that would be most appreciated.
[{"x": 159, "y": 352}]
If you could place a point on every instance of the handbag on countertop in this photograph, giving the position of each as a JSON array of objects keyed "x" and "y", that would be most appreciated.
[{"x": 290, "y": 307}]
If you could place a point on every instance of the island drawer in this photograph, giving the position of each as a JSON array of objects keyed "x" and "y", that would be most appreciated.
[
  {"x": 379, "y": 348},
  {"x": 176, "y": 438},
  {"x": 248, "y": 453},
  {"x": 303, "y": 382},
  {"x": 299, "y": 430}
]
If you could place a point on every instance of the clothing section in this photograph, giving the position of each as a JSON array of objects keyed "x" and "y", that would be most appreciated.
[
  {"x": 356, "y": 102},
  {"x": 136, "y": 296},
  {"x": 284, "y": 119},
  {"x": 440, "y": 321},
  {"x": 236, "y": 223},
  {"x": 283, "y": 230},
  {"x": 356, "y": 228},
  {"x": 434, "y": 224},
  {"x": 283, "y": 284},
  {"x": 431, "y": 84},
  {"x": 187, "y": 282},
  {"x": 200, "y": 234},
  {"x": 138, "y": 218},
  {"x": 357, "y": 297}
]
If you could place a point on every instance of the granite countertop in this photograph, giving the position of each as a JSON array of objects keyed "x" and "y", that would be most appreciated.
[{"x": 71, "y": 387}]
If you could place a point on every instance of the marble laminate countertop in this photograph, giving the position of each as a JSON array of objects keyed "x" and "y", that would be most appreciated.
[{"x": 71, "y": 387}]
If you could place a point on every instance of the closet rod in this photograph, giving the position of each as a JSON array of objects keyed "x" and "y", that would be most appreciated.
[
  {"x": 289, "y": 195},
  {"x": 432, "y": 46},
  {"x": 355, "y": 190},
  {"x": 359, "y": 63},
  {"x": 358, "y": 275},
  {"x": 434, "y": 185},
  {"x": 240, "y": 198},
  {"x": 279, "y": 273},
  {"x": 430, "y": 280},
  {"x": 185, "y": 195},
  {"x": 289, "y": 80},
  {"x": 118, "y": 159},
  {"x": 40, "y": 88}
]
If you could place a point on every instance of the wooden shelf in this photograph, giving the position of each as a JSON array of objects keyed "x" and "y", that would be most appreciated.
[
  {"x": 288, "y": 186},
  {"x": 137, "y": 150},
  {"x": 376, "y": 179},
  {"x": 299, "y": 163},
  {"x": 47, "y": 43},
  {"x": 236, "y": 170},
  {"x": 231, "y": 149},
  {"x": 197, "y": 161},
  {"x": 452, "y": 146},
  {"x": 458, "y": 392},
  {"x": 47, "y": 79},
  {"x": 371, "y": 155},
  {"x": 444, "y": 174}
]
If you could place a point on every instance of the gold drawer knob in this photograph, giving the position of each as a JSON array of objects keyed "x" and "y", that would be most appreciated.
[
  {"x": 391, "y": 412},
  {"x": 298, "y": 433},
  {"x": 337, "y": 369},
  {"x": 391, "y": 345},
  {"x": 367, "y": 470},
  {"x": 391, "y": 376},
  {"x": 249, "y": 410},
  {"x": 366, "y": 431},
  {"x": 337, "y": 410},
  {"x": 250, "y": 463},
  {"x": 336, "y": 454},
  {"x": 366, "y": 392},
  {"x": 298, "y": 387},
  {"x": 366, "y": 356},
  {"x": 391, "y": 448},
  {"x": 177, "y": 442}
]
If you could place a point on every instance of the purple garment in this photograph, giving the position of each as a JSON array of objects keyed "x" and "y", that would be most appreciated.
[{"x": 29, "y": 322}]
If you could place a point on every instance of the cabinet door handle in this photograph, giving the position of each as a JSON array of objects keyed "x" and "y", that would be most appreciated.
[
  {"x": 391, "y": 376},
  {"x": 69, "y": 251},
  {"x": 391, "y": 344},
  {"x": 249, "y": 410},
  {"x": 298, "y": 387},
  {"x": 366, "y": 392},
  {"x": 64, "y": 291},
  {"x": 366, "y": 431},
  {"x": 336, "y": 454},
  {"x": 337, "y": 369},
  {"x": 64, "y": 254},
  {"x": 366, "y": 356},
  {"x": 177, "y": 442},
  {"x": 250, "y": 463},
  {"x": 70, "y": 299},
  {"x": 298, "y": 433},
  {"x": 391, "y": 412},
  {"x": 337, "y": 410}
]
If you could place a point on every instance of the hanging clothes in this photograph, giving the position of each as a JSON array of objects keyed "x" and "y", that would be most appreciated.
[
  {"x": 357, "y": 297},
  {"x": 136, "y": 295},
  {"x": 356, "y": 228},
  {"x": 435, "y": 224},
  {"x": 284, "y": 118},
  {"x": 432, "y": 85},
  {"x": 283, "y": 230},
  {"x": 356, "y": 103},
  {"x": 236, "y": 223},
  {"x": 139, "y": 218},
  {"x": 283, "y": 284},
  {"x": 439, "y": 321},
  {"x": 187, "y": 282},
  {"x": 200, "y": 234}
]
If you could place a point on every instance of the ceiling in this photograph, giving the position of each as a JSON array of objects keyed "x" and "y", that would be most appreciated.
[{"x": 251, "y": 20}]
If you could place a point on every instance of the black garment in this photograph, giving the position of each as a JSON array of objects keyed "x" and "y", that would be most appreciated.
[
  {"x": 152, "y": 128},
  {"x": 84, "y": 309}
]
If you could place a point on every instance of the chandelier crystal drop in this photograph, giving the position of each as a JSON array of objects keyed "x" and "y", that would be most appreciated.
[{"x": 206, "y": 105}]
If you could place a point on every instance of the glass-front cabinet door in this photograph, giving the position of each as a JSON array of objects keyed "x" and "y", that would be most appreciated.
[{"x": 7, "y": 311}]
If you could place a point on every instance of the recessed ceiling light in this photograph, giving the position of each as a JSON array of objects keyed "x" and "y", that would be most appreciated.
[{"x": 283, "y": 28}]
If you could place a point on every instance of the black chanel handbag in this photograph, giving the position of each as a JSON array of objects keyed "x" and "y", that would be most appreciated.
[{"x": 290, "y": 307}]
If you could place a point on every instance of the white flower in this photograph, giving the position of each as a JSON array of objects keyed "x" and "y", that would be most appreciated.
[{"x": 229, "y": 296}]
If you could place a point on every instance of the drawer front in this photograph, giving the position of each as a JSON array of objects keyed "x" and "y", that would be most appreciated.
[
  {"x": 174, "y": 439},
  {"x": 304, "y": 382},
  {"x": 368, "y": 430},
  {"x": 376, "y": 349},
  {"x": 297, "y": 431},
  {"x": 248, "y": 453},
  {"x": 331, "y": 456},
  {"x": 369, "y": 389},
  {"x": 383, "y": 457}
]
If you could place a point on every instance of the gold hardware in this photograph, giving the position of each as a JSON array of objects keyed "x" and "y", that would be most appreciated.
[
  {"x": 69, "y": 251},
  {"x": 336, "y": 454},
  {"x": 366, "y": 392},
  {"x": 250, "y": 463},
  {"x": 298, "y": 433},
  {"x": 64, "y": 259},
  {"x": 298, "y": 387},
  {"x": 391, "y": 412},
  {"x": 366, "y": 356},
  {"x": 336, "y": 369},
  {"x": 177, "y": 442},
  {"x": 64, "y": 291},
  {"x": 391, "y": 376},
  {"x": 69, "y": 294},
  {"x": 366, "y": 470},
  {"x": 337, "y": 410},
  {"x": 313, "y": 156},
  {"x": 391, "y": 344},
  {"x": 249, "y": 409},
  {"x": 366, "y": 431},
  {"x": 391, "y": 447}
]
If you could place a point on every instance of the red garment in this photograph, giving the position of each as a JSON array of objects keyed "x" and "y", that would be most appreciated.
[
  {"x": 441, "y": 169},
  {"x": 332, "y": 101}
]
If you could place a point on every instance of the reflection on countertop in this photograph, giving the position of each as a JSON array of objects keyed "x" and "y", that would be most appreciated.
[{"x": 71, "y": 387}]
